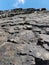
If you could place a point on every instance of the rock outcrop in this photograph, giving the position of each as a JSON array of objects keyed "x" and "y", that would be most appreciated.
[{"x": 24, "y": 37}]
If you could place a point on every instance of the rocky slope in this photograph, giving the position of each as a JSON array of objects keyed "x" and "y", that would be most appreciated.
[{"x": 24, "y": 37}]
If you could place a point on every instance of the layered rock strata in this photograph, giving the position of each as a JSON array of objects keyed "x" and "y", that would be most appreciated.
[{"x": 24, "y": 37}]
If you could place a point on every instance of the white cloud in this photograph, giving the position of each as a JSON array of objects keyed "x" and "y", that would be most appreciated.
[
  {"x": 21, "y": 1},
  {"x": 18, "y": 2}
]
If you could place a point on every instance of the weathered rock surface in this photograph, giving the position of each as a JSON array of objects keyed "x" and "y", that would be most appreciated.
[{"x": 24, "y": 37}]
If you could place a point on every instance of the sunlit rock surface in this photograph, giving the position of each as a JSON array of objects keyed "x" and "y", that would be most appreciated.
[{"x": 24, "y": 37}]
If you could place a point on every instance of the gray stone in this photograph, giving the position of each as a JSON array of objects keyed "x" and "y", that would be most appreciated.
[{"x": 24, "y": 37}]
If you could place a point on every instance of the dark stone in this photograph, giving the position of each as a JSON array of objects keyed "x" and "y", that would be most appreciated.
[
  {"x": 37, "y": 9},
  {"x": 41, "y": 62},
  {"x": 43, "y": 9},
  {"x": 29, "y": 10},
  {"x": 17, "y": 9}
]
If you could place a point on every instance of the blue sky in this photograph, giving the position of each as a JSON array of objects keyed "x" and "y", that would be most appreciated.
[{"x": 10, "y": 4}]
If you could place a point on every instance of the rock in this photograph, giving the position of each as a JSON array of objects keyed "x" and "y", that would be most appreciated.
[
  {"x": 44, "y": 37},
  {"x": 29, "y": 10},
  {"x": 47, "y": 31},
  {"x": 37, "y": 10},
  {"x": 15, "y": 10},
  {"x": 37, "y": 30},
  {"x": 43, "y": 9},
  {"x": 3, "y": 15},
  {"x": 24, "y": 37}
]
